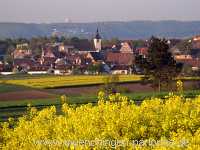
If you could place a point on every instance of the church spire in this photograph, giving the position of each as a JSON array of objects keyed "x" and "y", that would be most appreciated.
[
  {"x": 97, "y": 41},
  {"x": 97, "y": 34}
]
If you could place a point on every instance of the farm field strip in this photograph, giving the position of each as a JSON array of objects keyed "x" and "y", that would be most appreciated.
[
  {"x": 60, "y": 81},
  {"x": 18, "y": 107},
  {"x": 65, "y": 81},
  {"x": 81, "y": 99}
]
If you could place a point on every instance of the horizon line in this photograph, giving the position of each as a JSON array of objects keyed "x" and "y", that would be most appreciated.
[{"x": 88, "y": 22}]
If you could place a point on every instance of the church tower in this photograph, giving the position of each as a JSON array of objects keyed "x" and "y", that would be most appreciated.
[{"x": 97, "y": 41}]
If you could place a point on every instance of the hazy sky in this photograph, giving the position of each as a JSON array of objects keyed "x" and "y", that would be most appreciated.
[{"x": 97, "y": 10}]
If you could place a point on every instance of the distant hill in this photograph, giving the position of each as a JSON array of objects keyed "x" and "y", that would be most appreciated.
[{"x": 121, "y": 30}]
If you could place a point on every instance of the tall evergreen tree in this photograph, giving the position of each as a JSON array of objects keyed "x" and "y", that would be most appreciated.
[{"x": 159, "y": 66}]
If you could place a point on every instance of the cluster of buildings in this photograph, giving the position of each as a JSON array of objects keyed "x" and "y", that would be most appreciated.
[
  {"x": 58, "y": 58},
  {"x": 191, "y": 57},
  {"x": 61, "y": 59}
]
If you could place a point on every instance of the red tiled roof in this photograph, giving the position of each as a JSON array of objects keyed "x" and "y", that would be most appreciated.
[
  {"x": 192, "y": 62},
  {"x": 120, "y": 58},
  {"x": 48, "y": 60},
  {"x": 143, "y": 50},
  {"x": 23, "y": 61}
]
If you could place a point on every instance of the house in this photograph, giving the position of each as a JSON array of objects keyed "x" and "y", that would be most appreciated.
[
  {"x": 194, "y": 63},
  {"x": 65, "y": 48},
  {"x": 22, "y": 51},
  {"x": 47, "y": 58},
  {"x": 183, "y": 57},
  {"x": 22, "y": 46},
  {"x": 119, "y": 58},
  {"x": 74, "y": 59},
  {"x": 189, "y": 60},
  {"x": 20, "y": 54},
  {"x": 60, "y": 61},
  {"x": 62, "y": 67},
  {"x": 63, "y": 70},
  {"x": 142, "y": 51},
  {"x": 115, "y": 48},
  {"x": 118, "y": 69},
  {"x": 23, "y": 64},
  {"x": 95, "y": 57},
  {"x": 105, "y": 68},
  {"x": 126, "y": 48},
  {"x": 48, "y": 53},
  {"x": 48, "y": 61}
]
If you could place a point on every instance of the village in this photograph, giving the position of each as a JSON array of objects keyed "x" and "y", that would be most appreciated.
[{"x": 61, "y": 59}]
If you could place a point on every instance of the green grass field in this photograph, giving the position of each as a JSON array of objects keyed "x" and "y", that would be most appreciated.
[
  {"x": 12, "y": 88},
  {"x": 19, "y": 107}
]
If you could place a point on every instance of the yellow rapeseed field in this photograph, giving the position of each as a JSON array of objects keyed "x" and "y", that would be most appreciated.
[
  {"x": 114, "y": 123},
  {"x": 60, "y": 81}
]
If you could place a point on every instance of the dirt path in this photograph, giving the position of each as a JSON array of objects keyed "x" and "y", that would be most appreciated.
[
  {"x": 93, "y": 90},
  {"x": 125, "y": 87},
  {"x": 25, "y": 95},
  {"x": 86, "y": 90}
]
